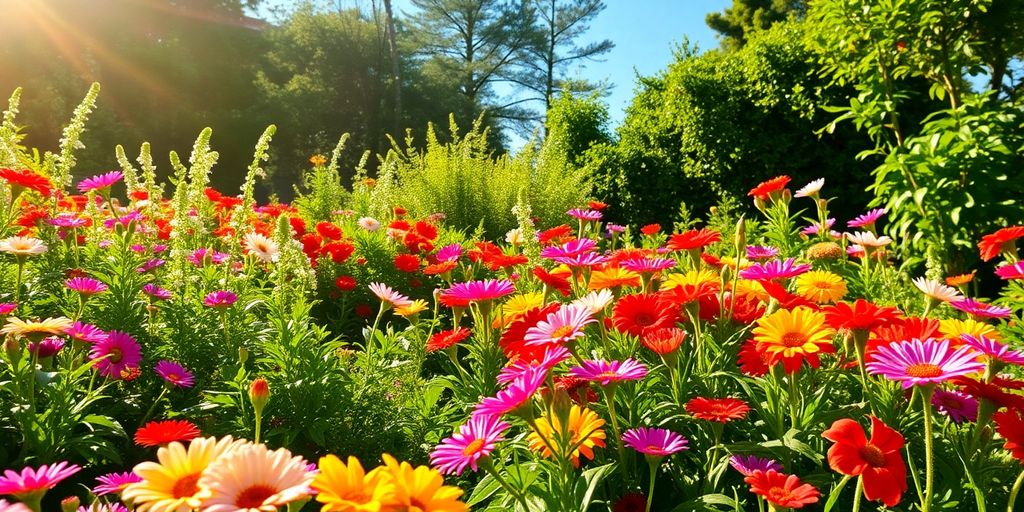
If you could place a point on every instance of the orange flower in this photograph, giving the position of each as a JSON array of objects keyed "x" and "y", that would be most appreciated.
[
  {"x": 766, "y": 188},
  {"x": 613, "y": 277},
  {"x": 782, "y": 490},
  {"x": 721, "y": 410}
]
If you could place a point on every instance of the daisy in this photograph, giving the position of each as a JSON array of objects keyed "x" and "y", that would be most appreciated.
[
  {"x": 368, "y": 223},
  {"x": 583, "y": 427},
  {"x": 959, "y": 406},
  {"x": 449, "y": 253},
  {"x": 421, "y": 488},
  {"x": 585, "y": 215},
  {"x": 7, "y": 506},
  {"x": 609, "y": 372},
  {"x": 1014, "y": 271},
  {"x": 475, "y": 440},
  {"x": 799, "y": 332},
  {"x": 613, "y": 277},
  {"x": 114, "y": 483},
  {"x": 769, "y": 189},
  {"x": 748, "y": 464},
  {"x": 586, "y": 259},
  {"x": 1002, "y": 241},
  {"x": 26, "y": 179},
  {"x": 253, "y": 478},
  {"x": 655, "y": 442},
  {"x": 774, "y": 269},
  {"x": 595, "y": 301},
  {"x": 30, "y": 484},
  {"x": 220, "y": 299},
  {"x": 993, "y": 349},
  {"x": 952, "y": 329},
  {"x": 868, "y": 219},
  {"x": 811, "y": 189},
  {"x": 821, "y": 286},
  {"x": 37, "y": 328},
  {"x": 816, "y": 228},
  {"x": 937, "y": 291},
  {"x": 868, "y": 239},
  {"x": 553, "y": 356},
  {"x": 479, "y": 291},
  {"x": 663, "y": 341},
  {"x": 68, "y": 220},
  {"x": 265, "y": 249},
  {"x": 46, "y": 348},
  {"x": 85, "y": 332},
  {"x": 174, "y": 374},
  {"x": 979, "y": 309},
  {"x": 172, "y": 483},
  {"x": 22, "y": 246},
  {"x": 516, "y": 395},
  {"x": 156, "y": 292},
  {"x": 100, "y": 181},
  {"x": 85, "y": 285},
  {"x": 648, "y": 265},
  {"x": 693, "y": 239},
  {"x": 562, "y": 326},
  {"x": 568, "y": 249},
  {"x": 160, "y": 433},
  {"x": 118, "y": 352},
  {"x": 918, "y": 363},
  {"x": 722, "y": 410},
  {"x": 786, "y": 491},
  {"x": 389, "y": 296},
  {"x": 761, "y": 252},
  {"x": 347, "y": 486},
  {"x": 444, "y": 339},
  {"x": 7, "y": 308}
]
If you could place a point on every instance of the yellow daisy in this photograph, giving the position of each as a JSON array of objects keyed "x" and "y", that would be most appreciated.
[
  {"x": 29, "y": 328},
  {"x": 421, "y": 489},
  {"x": 691, "y": 278},
  {"x": 581, "y": 434},
  {"x": 797, "y": 332},
  {"x": 821, "y": 286},
  {"x": 952, "y": 328},
  {"x": 172, "y": 485},
  {"x": 516, "y": 306},
  {"x": 749, "y": 290},
  {"x": 416, "y": 307},
  {"x": 349, "y": 488},
  {"x": 613, "y": 277}
]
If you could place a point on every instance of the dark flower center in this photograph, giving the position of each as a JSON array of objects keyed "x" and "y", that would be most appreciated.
[
  {"x": 254, "y": 496},
  {"x": 873, "y": 455}
]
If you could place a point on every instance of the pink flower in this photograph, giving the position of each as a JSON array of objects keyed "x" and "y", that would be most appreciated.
[
  {"x": 389, "y": 296},
  {"x": 568, "y": 249},
  {"x": 150, "y": 265},
  {"x": 100, "y": 181},
  {"x": 33, "y": 483},
  {"x": 553, "y": 356},
  {"x": 68, "y": 220},
  {"x": 156, "y": 292},
  {"x": 175, "y": 374},
  {"x": 475, "y": 440},
  {"x": 7, "y": 308},
  {"x": 561, "y": 326},
  {"x": 516, "y": 395},
  {"x": 114, "y": 483},
  {"x": 103, "y": 507},
  {"x": 608, "y": 372},
  {"x": 220, "y": 299},
  {"x": 47, "y": 347},
  {"x": 918, "y": 363},
  {"x": 586, "y": 259},
  {"x": 761, "y": 252},
  {"x": 202, "y": 255},
  {"x": 774, "y": 269},
  {"x": 1014, "y": 271},
  {"x": 993, "y": 349},
  {"x": 477, "y": 291},
  {"x": 85, "y": 285},
  {"x": 614, "y": 229},
  {"x": 6, "y": 506},
  {"x": 85, "y": 332},
  {"x": 655, "y": 442},
  {"x": 868, "y": 219},
  {"x": 977, "y": 308},
  {"x": 449, "y": 253},
  {"x": 118, "y": 352},
  {"x": 958, "y": 406},
  {"x": 584, "y": 214},
  {"x": 815, "y": 227},
  {"x": 747, "y": 464},
  {"x": 645, "y": 265}
]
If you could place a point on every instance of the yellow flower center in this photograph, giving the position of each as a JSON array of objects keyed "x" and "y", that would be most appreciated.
[
  {"x": 873, "y": 455},
  {"x": 779, "y": 495},
  {"x": 561, "y": 332},
  {"x": 115, "y": 355},
  {"x": 823, "y": 285},
  {"x": 794, "y": 339},
  {"x": 608, "y": 375},
  {"x": 254, "y": 496},
  {"x": 924, "y": 370},
  {"x": 473, "y": 448},
  {"x": 186, "y": 486}
]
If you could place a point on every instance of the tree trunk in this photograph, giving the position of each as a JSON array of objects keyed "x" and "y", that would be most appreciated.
[{"x": 396, "y": 75}]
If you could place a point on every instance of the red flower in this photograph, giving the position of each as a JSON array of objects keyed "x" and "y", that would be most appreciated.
[
  {"x": 663, "y": 341},
  {"x": 512, "y": 342},
  {"x": 505, "y": 261},
  {"x": 364, "y": 310},
  {"x": 345, "y": 283},
  {"x": 157, "y": 433},
  {"x": 597, "y": 205},
  {"x": 991, "y": 391},
  {"x": 212, "y": 194},
  {"x": 439, "y": 268},
  {"x": 862, "y": 315},
  {"x": 27, "y": 179},
  {"x": 399, "y": 211},
  {"x": 877, "y": 460},
  {"x": 687, "y": 293},
  {"x": 444, "y": 339},
  {"x": 785, "y": 299},
  {"x": 782, "y": 490},
  {"x": 631, "y": 502},
  {"x": 753, "y": 361},
  {"x": 992, "y": 244},
  {"x": 766, "y": 188},
  {"x": 579, "y": 390},
  {"x": 407, "y": 262},
  {"x": 554, "y": 235},
  {"x": 903, "y": 329},
  {"x": 338, "y": 251},
  {"x": 693, "y": 239},
  {"x": 637, "y": 313},
  {"x": 1010, "y": 425},
  {"x": 483, "y": 252},
  {"x": 139, "y": 195},
  {"x": 553, "y": 281},
  {"x": 328, "y": 230},
  {"x": 311, "y": 245},
  {"x": 650, "y": 229},
  {"x": 721, "y": 410},
  {"x": 298, "y": 225},
  {"x": 425, "y": 230}
]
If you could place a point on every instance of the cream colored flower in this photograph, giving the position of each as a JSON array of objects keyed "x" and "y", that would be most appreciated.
[
  {"x": 172, "y": 484},
  {"x": 23, "y": 246},
  {"x": 595, "y": 301},
  {"x": 48, "y": 327},
  {"x": 868, "y": 239},
  {"x": 264, "y": 248},
  {"x": 252, "y": 478},
  {"x": 514, "y": 237},
  {"x": 936, "y": 290}
]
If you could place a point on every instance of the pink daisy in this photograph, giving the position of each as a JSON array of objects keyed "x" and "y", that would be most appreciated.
[
  {"x": 202, "y": 256},
  {"x": 553, "y": 356},
  {"x": 31, "y": 484},
  {"x": 516, "y": 395},
  {"x": 993, "y": 349},
  {"x": 1014, "y": 271},
  {"x": 958, "y": 406},
  {"x": 868, "y": 219},
  {"x": 123, "y": 221},
  {"x": 47, "y": 347},
  {"x": 85, "y": 332},
  {"x": 156, "y": 292},
  {"x": 919, "y": 363},
  {"x": 114, "y": 483},
  {"x": 449, "y": 253},
  {"x": 6, "y": 506},
  {"x": 815, "y": 227},
  {"x": 7, "y": 308},
  {"x": 175, "y": 374},
  {"x": 761, "y": 252},
  {"x": 85, "y": 285},
  {"x": 645, "y": 265},
  {"x": 747, "y": 464},
  {"x": 656, "y": 442},
  {"x": 220, "y": 299},
  {"x": 561, "y": 326},
  {"x": 150, "y": 265},
  {"x": 608, "y": 372},
  {"x": 116, "y": 353},
  {"x": 103, "y": 507},
  {"x": 585, "y": 214},
  {"x": 100, "y": 181},
  {"x": 614, "y": 229},
  {"x": 980, "y": 309},
  {"x": 389, "y": 296},
  {"x": 568, "y": 249},
  {"x": 475, "y": 440},
  {"x": 774, "y": 269},
  {"x": 478, "y": 291},
  {"x": 68, "y": 220},
  {"x": 586, "y": 259}
]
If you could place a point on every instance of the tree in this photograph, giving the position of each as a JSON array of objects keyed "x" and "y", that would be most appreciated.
[{"x": 746, "y": 16}]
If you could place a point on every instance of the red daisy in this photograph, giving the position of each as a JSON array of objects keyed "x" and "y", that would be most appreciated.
[
  {"x": 753, "y": 361},
  {"x": 637, "y": 313},
  {"x": 782, "y": 490},
  {"x": 1001, "y": 241},
  {"x": 554, "y": 235},
  {"x": 407, "y": 262},
  {"x": 553, "y": 281},
  {"x": 28, "y": 180},
  {"x": 440, "y": 268},
  {"x": 860, "y": 316},
  {"x": 650, "y": 229},
  {"x": 159, "y": 433},
  {"x": 444, "y": 339},
  {"x": 721, "y": 410},
  {"x": 345, "y": 283},
  {"x": 766, "y": 188},
  {"x": 693, "y": 239},
  {"x": 1010, "y": 425}
]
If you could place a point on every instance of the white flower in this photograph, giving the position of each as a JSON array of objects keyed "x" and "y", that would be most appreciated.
[
  {"x": 264, "y": 248},
  {"x": 368, "y": 223},
  {"x": 23, "y": 246},
  {"x": 252, "y": 478},
  {"x": 811, "y": 188},
  {"x": 936, "y": 290},
  {"x": 595, "y": 301},
  {"x": 868, "y": 239},
  {"x": 514, "y": 236}
]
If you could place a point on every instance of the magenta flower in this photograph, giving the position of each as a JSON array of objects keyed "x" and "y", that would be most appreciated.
[
  {"x": 475, "y": 440},
  {"x": 553, "y": 356},
  {"x": 150, "y": 265},
  {"x": 124, "y": 220},
  {"x": 31, "y": 484},
  {"x": 220, "y": 299},
  {"x": 614, "y": 229},
  {"x": 980, "y": 309},
  {"x": 449, "y": 253},
  {"x": 389, "y": 296},
  {"x": 868, "y": 219},
  {"x": 87, "y": 333},
  {"x": 1014, "y": 271},
  {"x": 585, "y": 214},
  {"x": 156, "y": 292},
  {"x": 645, "y": 265},
  {"x": 920, "y": 363},
  {"x": 761, "y": 252},
  {"x": 656, "y": 442},
  {"x": 568, "y": 249},
  {"x": 815, "y": 227},
  {"x": 85, "y": 285},
  {"x": 100, "y": 181},
  {"x": 67, "y": 220},
  {"x": 202, "y": 256},
  {"x": 478, "y": 291},
  {"x": 114, "y": 483},
  {"x": 748, "y": 464},
  {"x": 958, "y": 406},
  {"x": 608, "y": 372},
  {"x": 115, "y": 354},
  {"x": 175, "y": 374},
  {"x": 586, "y": 259},
  {"x": 993, "y": 349},
  {"x": 103, "y": 507},
  {"x": 516, "y": 395},
  {"x": 7, "y": 307},
  {"x": 47, "y": 347},
  {"x": 561, "y": 326},
  {"x": 774, "y": 269}
]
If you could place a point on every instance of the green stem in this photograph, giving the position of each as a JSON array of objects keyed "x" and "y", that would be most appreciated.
[
  {"x": 926, "y": 404},
  {"x": 259, "y": 422},
  {"x": 609, "y": 394},
  {"x": 17, "y": 286},
  {"x": 488, "y": 466},
  {"x": 1013, "y": 492},
  {"x": 857, "y": 494},
  {"x": 152, "y": 407},
  {"x": 794, "y": 400},
  {"x": 650, "y": 487}
]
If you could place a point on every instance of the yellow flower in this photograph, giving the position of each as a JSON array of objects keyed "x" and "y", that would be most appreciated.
[
  {"x": 952, "y": 328},
  {"x": 730, "y": 261},
  {"x": 416, "y": 307},
  {"x": 789, "y": 333},
  {"x": 48, "y": 327},
  {"x": 517, "y": 305},
  {"x": 172, "y": 485},
  {"x": 821, "y": 286},
  {"x": 581, "y": 434},
  {"x": 613, "y": 277},
  {"x": 749, "y": 290},
  {"x": 691, "y": 278},
  {"x": 349, "y": 488},
  {"x": 318, "y": 160},
  {"x": 23, "y": 246},
  {"x": 421, "y": 489}
]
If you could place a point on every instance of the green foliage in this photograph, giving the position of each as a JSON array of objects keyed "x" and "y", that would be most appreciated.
[
  {"x": 576, "y": 123},
  {"x": 744, "y": 17}
]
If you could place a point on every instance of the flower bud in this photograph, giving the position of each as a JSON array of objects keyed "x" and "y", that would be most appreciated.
[
  {"x": 740, "y": 239},
  {"x": 12, "y": 348},
  {"x": 70, "y": 504},
  {"x": 243, "y": 355},
  {"x": 259, "y": 394}
]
